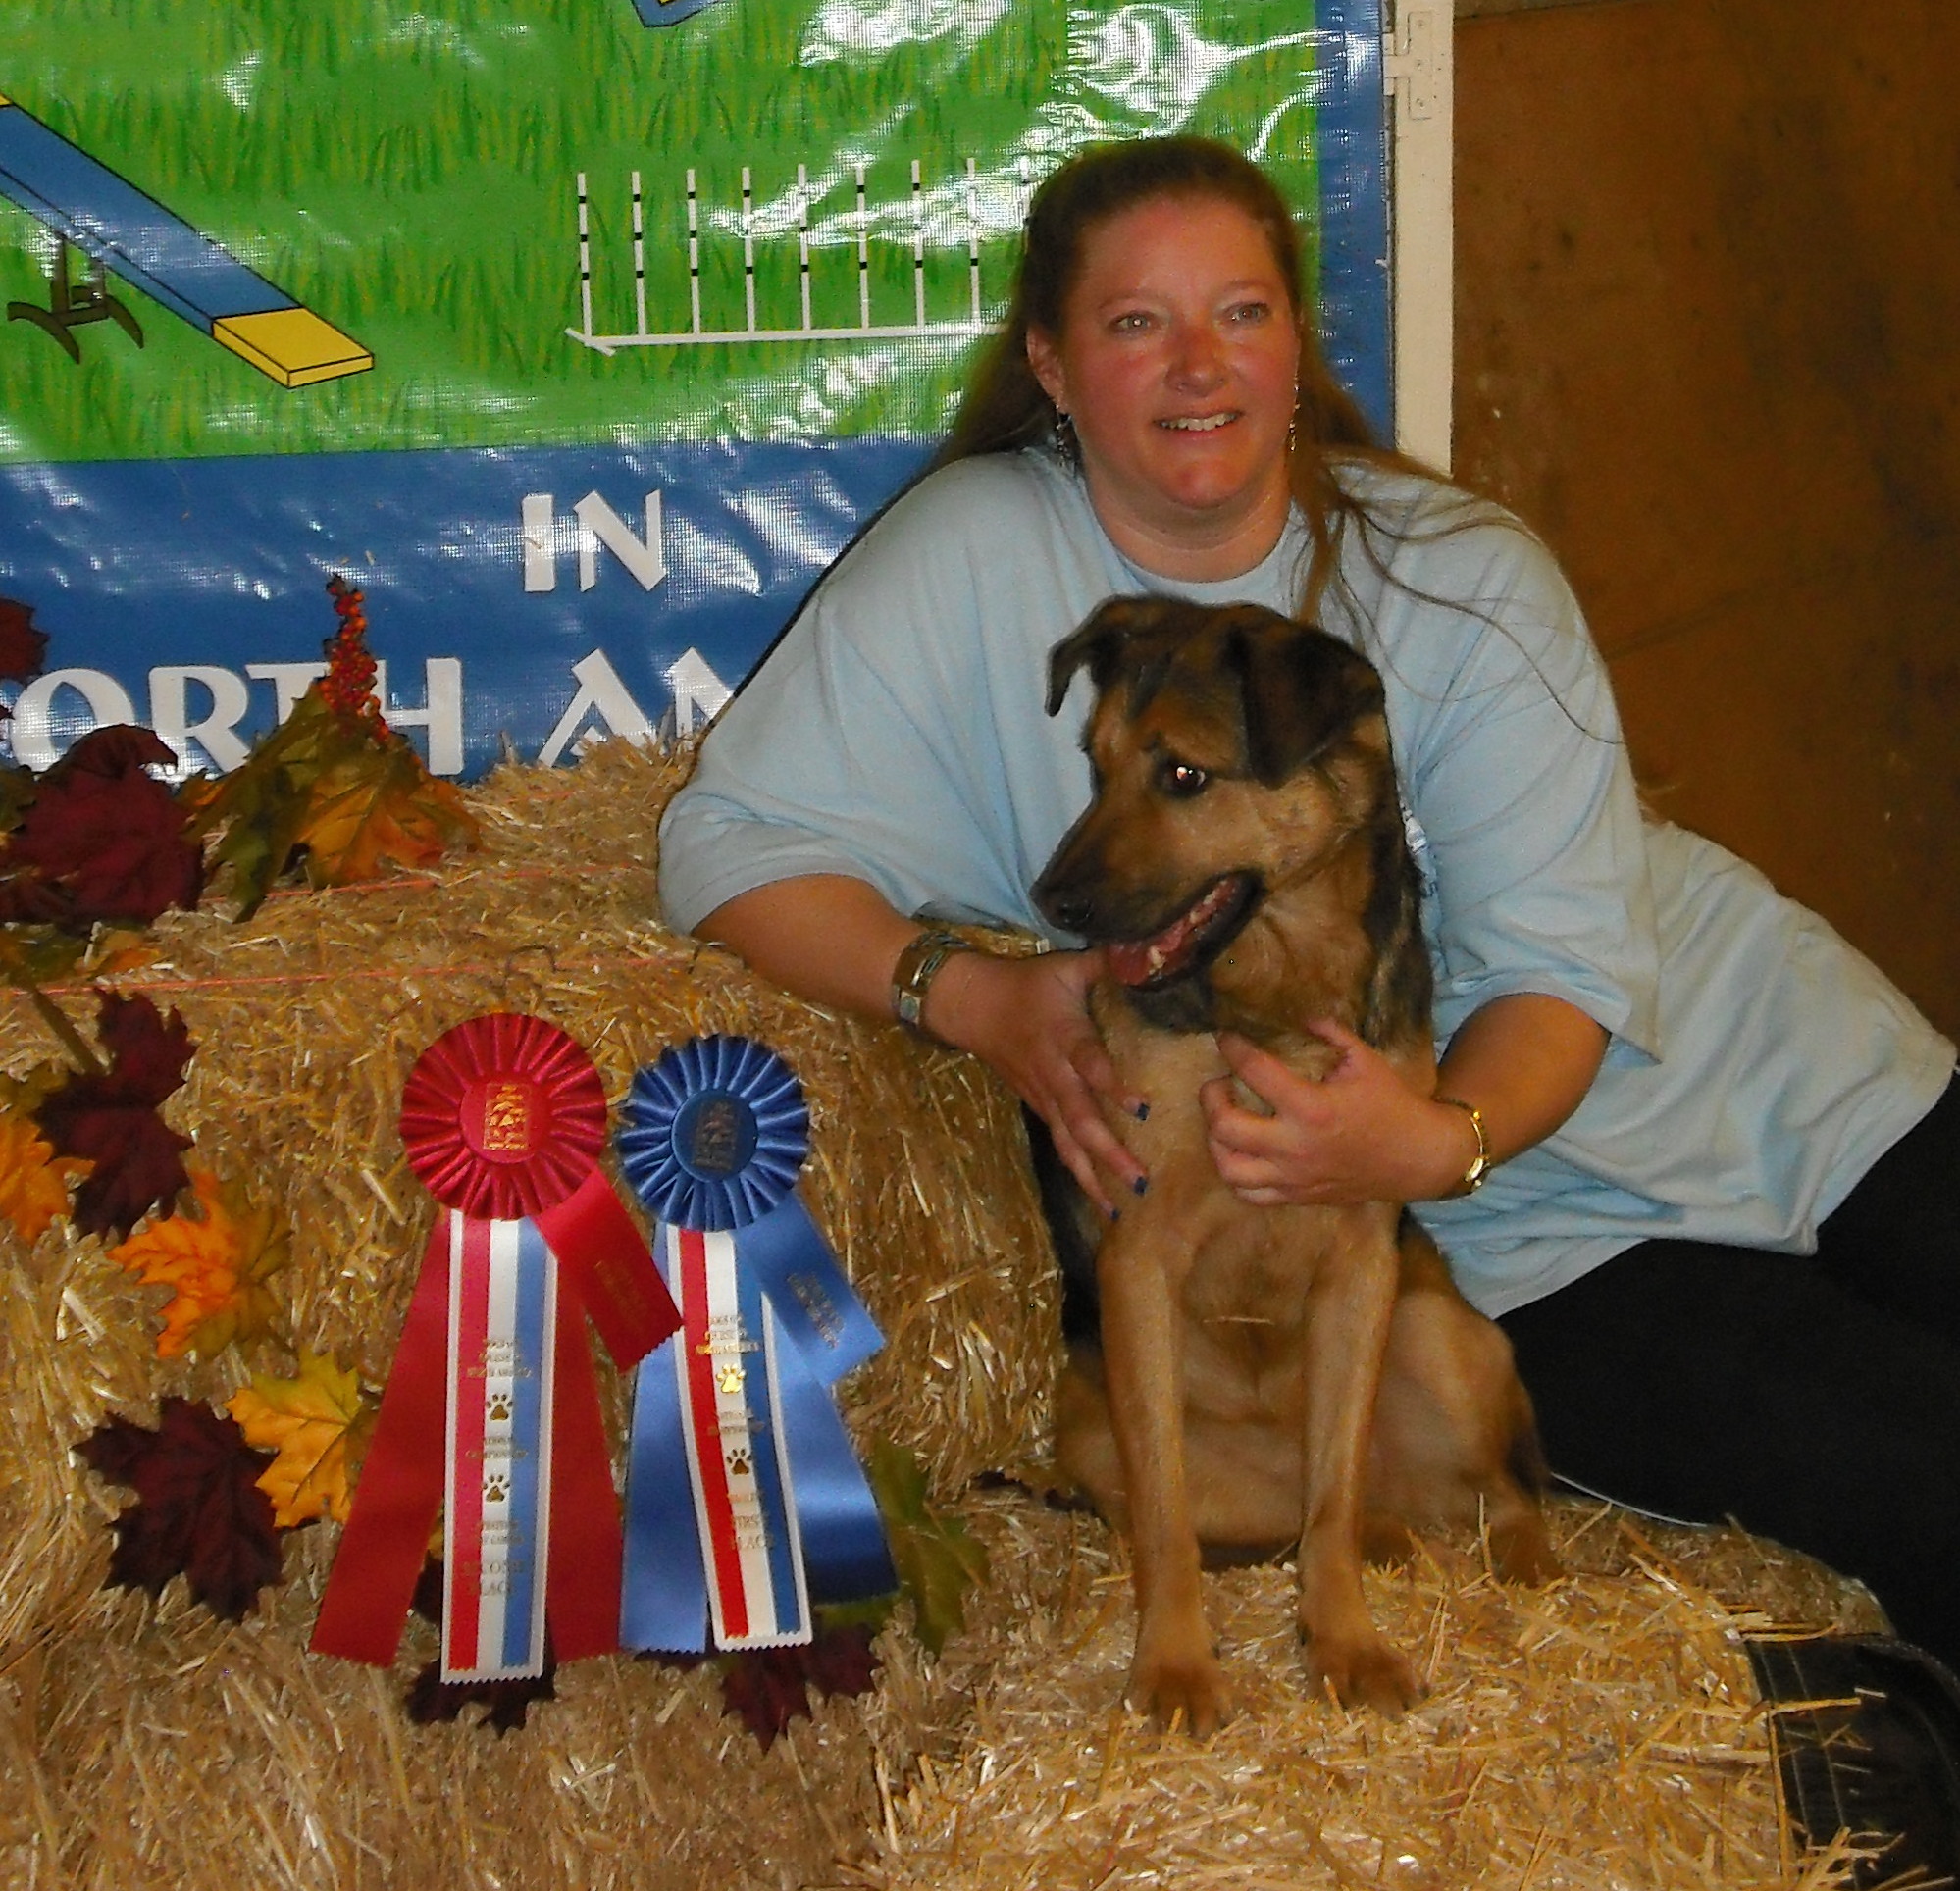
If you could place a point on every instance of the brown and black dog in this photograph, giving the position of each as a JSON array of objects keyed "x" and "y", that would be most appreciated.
[{"x": 1263, "y": 1375}]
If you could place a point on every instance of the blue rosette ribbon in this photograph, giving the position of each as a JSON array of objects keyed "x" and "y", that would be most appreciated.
[{"x": 745, "y": 1503}]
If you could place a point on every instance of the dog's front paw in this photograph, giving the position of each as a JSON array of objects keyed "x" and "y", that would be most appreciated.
[
  {"x": 1188, "y": 1692},
  {"x": 1520, "y": 1551},
  {"x": 1361, "y": 1673}
]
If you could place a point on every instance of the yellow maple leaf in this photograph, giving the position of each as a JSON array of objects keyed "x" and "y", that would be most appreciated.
[
  {"x": 378, "y": 805},
  {"x": 33, "y": 1179},
  {"x": 317, "y": 1421},
  {"x": 216, "y": 1260}
]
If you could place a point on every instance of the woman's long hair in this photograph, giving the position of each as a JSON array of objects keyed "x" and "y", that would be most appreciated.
[{"x": 1006, "y": 408}]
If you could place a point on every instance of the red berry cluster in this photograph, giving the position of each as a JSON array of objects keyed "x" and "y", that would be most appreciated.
[{"x": 348, "y": 688}]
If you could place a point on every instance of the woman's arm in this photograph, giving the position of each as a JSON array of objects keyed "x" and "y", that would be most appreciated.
[
  {"x": 835, "y": 941},
  {"x": 1362, "y": 1134}
]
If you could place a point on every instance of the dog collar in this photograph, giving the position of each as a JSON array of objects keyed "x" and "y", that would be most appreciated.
[{"x": 1472, "y": 1177}]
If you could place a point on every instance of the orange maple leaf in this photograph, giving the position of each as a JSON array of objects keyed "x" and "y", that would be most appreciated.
[
  {"x": 33, "y": 1179},
  {"x": 318, "y": 1423},
  {"x": 376, "y": 805},
  {"x": 216, "y": 1261}
]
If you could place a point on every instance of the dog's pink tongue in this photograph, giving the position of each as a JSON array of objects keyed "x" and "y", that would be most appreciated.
[{"x": 1136, "y": 961}]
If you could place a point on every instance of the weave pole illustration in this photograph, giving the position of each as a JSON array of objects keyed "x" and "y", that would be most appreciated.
[
  {"x": 124, "y": 230},
  {"x": 973, "y": 320}
]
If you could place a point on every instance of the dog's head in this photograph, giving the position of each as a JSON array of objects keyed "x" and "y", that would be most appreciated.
[{"x": 1235, "y": 754}]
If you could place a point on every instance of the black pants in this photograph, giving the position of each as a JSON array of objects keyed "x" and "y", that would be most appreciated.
[{"x": 1814, "y": 1399}]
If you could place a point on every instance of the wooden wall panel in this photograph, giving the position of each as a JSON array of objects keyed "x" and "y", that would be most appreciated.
[{"x": 1708, "y": 343}]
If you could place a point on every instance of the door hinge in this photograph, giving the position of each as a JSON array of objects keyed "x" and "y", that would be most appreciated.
[{"x": 1412, "y": 52}]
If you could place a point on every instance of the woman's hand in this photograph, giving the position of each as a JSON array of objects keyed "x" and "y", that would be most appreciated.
[
  {"x": 1028, "y": 1019},
  {"x": 833, "y": 940},
  {"x": 1358, "y": 1134},
  {"x": 1362, "y": 1134}
]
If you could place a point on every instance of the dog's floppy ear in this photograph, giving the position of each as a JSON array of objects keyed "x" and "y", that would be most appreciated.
[
  {"x": 1102, "y": 642},
  {"x": 1301, "y": 690}
]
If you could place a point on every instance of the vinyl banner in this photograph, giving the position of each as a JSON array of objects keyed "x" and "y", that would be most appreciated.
[{"x": 580, "y": 334}]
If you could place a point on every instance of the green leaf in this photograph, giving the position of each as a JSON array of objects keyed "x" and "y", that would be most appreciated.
[{"x": 938, "y": 1561}]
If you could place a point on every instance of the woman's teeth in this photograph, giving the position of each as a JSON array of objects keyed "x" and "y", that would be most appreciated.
[{"x": 1202, "y": 424}]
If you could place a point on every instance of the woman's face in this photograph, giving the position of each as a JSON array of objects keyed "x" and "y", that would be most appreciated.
[{"x": 1176, "y": 362}]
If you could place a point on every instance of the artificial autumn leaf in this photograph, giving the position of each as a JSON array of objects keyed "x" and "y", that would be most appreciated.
[
  {"x": 103, "y": 839},
  {"x": 506, "y": 1702},
  {"x": 215, "y": 1258},
  {"x": 258, "y": 808},
  {"x": 17, "y": 793},
  {"x": 369, "y": 811},
  {"x": 766, "y": 1688},
  {"x": 332, "y": 786},
  {"x": 116, "y": 949},
  {"x": 316, "y": 1421},
  {"x": 147, "y": 1049},
  {"x": 431, "y": 1698},
  {"x": 936, "y": 1558},
  {"x": 109, "y": 1117},
  {"x": 23, "y": 648},
  {"x": 199, "y": 1513},
  {"x": 33, "y": 1179}
]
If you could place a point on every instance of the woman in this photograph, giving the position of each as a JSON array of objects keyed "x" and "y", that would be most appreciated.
[{"x": 1677, "y": 1075}]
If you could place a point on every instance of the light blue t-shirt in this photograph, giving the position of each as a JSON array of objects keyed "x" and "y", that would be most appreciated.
[{"x": 1758, "y": 1065}]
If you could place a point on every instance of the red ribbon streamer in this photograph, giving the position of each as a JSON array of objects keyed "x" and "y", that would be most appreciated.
[
  {"x": 607, "y": 1261},
  {"x": 375, "y": 1571},
  {"x": 400, "y": 1492}
]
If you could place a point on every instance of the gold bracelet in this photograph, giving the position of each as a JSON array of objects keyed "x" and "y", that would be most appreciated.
[
  {"x": 922, "y": 961},
  {"x": 1472, "y": 1177}
]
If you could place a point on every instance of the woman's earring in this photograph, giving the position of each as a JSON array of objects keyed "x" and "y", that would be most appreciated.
[{"x": 1065, "y": 442}]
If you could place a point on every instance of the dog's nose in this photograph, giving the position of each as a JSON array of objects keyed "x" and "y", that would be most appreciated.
[{"x": 1062, "y": 906}]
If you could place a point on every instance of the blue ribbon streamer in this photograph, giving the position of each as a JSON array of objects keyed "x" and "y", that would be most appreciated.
[{"x": 716, "y": 1133}]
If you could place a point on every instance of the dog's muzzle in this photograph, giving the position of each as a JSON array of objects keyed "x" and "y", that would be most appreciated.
[{"x": 1166, "y": 951}]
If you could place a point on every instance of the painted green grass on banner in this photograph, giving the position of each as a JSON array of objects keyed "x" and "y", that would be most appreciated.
[{"x": 409, "y": 174}]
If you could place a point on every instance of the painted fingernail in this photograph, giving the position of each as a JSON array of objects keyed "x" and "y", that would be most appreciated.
[
  {"x": 1142, "y": 1113},
  {"x": 1140, "y": 1185}
]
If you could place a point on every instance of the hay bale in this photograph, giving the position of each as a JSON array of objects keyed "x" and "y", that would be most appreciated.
[{"x": 1600, "y": 1731}]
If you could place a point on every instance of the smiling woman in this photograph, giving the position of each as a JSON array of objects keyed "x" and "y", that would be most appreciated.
[{"x": 1639, "y": 1038}]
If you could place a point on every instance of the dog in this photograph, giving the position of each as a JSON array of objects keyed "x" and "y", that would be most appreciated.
[{"x": 1260, "y": 1377}]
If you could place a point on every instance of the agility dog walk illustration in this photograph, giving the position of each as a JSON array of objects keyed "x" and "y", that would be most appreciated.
[{"x": 121, "y": 230}]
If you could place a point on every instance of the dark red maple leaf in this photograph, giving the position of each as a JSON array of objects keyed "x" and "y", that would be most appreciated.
[
  {"x": 199, "y": 1513},
  {"x": 505, "y": 1702},
  {"x": 427, "y": 1601},
  {"x": 767, "y": 1688},
  {"x": 840, "y": 1660},
  {"x": 111, "y": 1116},
  {"x": 23, "y": 648},
  {"x": 103, "y": 838}
]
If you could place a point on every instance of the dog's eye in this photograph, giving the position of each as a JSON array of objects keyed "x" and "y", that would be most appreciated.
[{"x": 1182, "y": 779}]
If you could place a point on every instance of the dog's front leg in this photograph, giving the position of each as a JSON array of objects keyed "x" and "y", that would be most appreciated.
[
  {"x": 1350, "y": 1304},
  {"x": 1139, "y": 1270}
]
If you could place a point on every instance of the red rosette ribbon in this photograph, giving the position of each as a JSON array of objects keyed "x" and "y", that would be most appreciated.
[{"x": 503, "y": 1118}]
